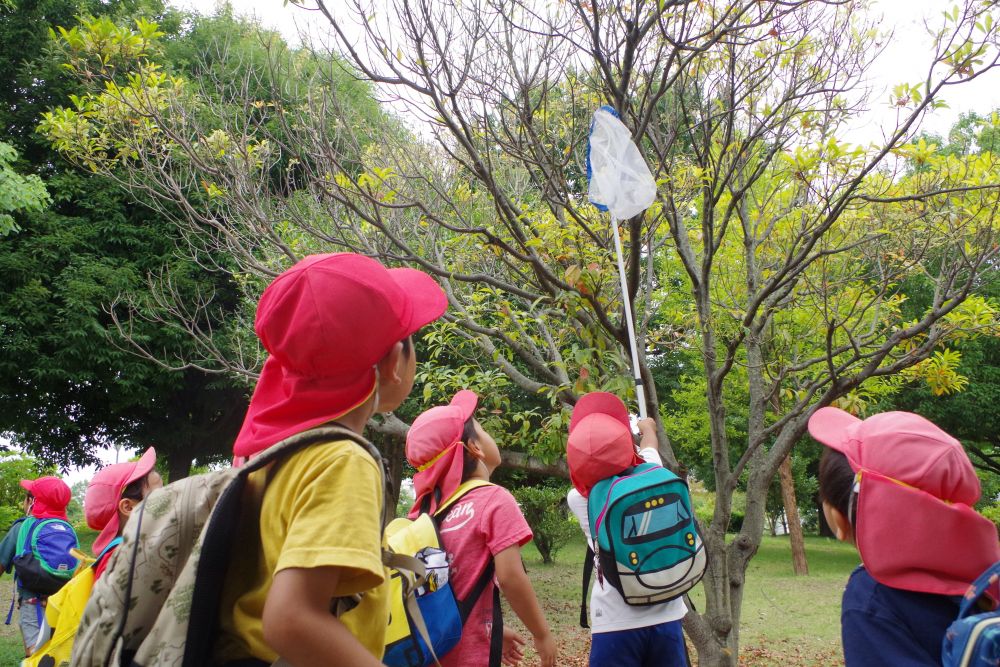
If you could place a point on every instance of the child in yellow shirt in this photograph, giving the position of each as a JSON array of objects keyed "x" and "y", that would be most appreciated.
[{"x": 338, "y": 329}]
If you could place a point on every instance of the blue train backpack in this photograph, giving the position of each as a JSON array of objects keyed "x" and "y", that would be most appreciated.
[
  {"x": 43, "y": 563},
  {"x": 973, "y": 640},
  {"x": 644, "y": 534}
]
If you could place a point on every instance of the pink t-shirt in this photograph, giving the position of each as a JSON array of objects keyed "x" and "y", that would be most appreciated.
[{"x": 484, "y": 522}]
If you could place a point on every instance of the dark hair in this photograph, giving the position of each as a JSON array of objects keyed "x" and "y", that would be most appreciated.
[
  {"x": 407, "y": 346},
  {"x": 135, "y": 488},
  {"x": 470, "y": 461},
  {"x": 836, "y": 481}
]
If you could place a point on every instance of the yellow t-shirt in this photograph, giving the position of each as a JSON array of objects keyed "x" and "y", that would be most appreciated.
[{"x": 321, "y": 508}]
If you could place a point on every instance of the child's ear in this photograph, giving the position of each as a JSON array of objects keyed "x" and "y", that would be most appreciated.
[
  {"x": 474, "y": 449},
  {"x": 838, "y": 523},
  {"x": 126, "y": 505},
  {"x": 390, "y": 367}
]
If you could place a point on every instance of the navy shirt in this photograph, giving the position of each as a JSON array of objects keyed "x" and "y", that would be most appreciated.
[{"x": 883, "y": 626}]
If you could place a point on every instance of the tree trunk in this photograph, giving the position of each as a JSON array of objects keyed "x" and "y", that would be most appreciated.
[
  {"x": 178, "y": 466},
  {"x": 394, "y": 454},
  {"x": 799, "y": 563}
]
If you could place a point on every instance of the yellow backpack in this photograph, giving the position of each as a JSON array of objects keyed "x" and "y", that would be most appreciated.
[
  {"x": 63, "y": 612},
  {"x": 425, "y": 617}
]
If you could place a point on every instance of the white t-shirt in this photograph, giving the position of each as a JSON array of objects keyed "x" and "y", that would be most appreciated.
[{"x": 608, "y": 610}]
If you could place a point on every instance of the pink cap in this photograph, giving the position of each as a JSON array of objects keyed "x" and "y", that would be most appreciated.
[
  {"x": 52, "y": 495},
  {"x": 434, "y": 447},
  {"x": 600, "y": 442},
  {"x": 916, "y": 491},
  {"x": 326, "y": 322},
  {"x": 100, "y": 504}
]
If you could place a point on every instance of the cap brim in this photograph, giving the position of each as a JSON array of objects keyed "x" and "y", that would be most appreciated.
[
  {"x": 466, "y": 401},
  {"x": 27, "y": 484},
  {"x": 143, "y": 466},
  {"x": 426, "y": 296},
  {"x": 599, "y": 402},
  {"x": 829, "y": 425}
]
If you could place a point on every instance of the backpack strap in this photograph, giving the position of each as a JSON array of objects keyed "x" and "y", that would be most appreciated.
[
  {"x": 120, "y": 630},
  {"x": 978, "y": 588},
  {"x": 28, "y": 525},
  {"x": 466, "y": 605},
  {"x": 462, "y": 489},
  {"x": 105, "y": 551},
  {"x": 220, "y": 532},
  {"x": 10, "y": 612},
  {"x": 588, "y": 571},
  {"x": 496, "y": 632}
]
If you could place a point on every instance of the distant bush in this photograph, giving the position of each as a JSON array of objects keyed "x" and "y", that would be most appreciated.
[
  {"x": 546, "y": 513},
  {"x": 704, "y": 506},
  {"x": 8, "y": 515}
]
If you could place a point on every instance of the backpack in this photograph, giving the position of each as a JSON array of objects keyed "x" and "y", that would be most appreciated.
[
  {"x": 43, "y": 563},
  {"x": 63, "y": 612},
  {"x": 420, "y": 636},
  {"x": 645, "y": 536},
  {"x": 974, "y": 640},
  {"x": 158, "y": 600}
]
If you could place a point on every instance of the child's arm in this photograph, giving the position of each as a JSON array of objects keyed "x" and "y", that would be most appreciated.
[
  {"x": 8, "y": 546},
  {"x": 298, "y": 624},
  {"x": 647, "y": 435},
  {"x": 517, "y": 589}
]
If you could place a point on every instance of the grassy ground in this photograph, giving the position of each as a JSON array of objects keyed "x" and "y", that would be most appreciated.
[{"x": 787, "y": 621}]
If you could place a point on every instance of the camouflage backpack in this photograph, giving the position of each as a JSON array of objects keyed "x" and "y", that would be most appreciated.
[{"x": 158, "y": 601}]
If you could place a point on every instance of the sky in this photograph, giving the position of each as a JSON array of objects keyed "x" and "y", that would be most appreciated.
[{"x": 904, "y": 59}]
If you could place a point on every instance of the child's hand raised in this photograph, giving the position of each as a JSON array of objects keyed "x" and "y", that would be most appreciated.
[{"x": 647, "y": 433}]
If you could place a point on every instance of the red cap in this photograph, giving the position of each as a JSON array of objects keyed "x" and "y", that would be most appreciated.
[
  {"x": 100, "y": 504},
  {"x": 600, "y": 442},
  {"x": 434, "y": 447},
  {"x": 326, "y": 322},
  {"x": 916, "y": 488},
  {"x": 51, "y": 494}
]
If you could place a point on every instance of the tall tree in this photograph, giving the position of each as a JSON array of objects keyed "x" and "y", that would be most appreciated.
[{"x": 68, "y": 382}]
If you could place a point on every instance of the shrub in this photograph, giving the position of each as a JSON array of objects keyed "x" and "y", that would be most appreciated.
[{"x": 545, "y": 510}]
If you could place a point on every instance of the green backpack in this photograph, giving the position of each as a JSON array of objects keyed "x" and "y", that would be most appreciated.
[{"x": 645, "y": 536}]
